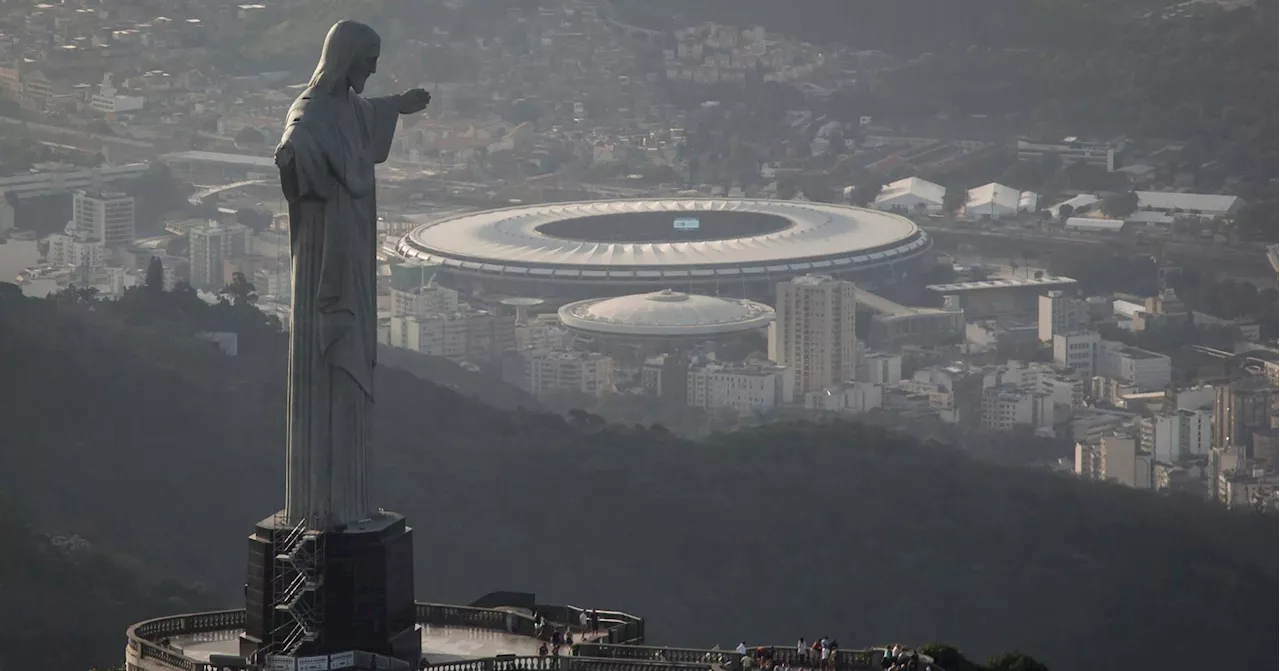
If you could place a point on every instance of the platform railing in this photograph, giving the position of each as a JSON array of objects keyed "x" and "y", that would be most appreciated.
[{"x": 619, "y": 650}]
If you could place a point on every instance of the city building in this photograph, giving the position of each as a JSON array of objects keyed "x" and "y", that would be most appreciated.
[
  {"x": 212, "y": 243},
  {"x": 207, "y": 167},
  {"x": 814, "y": 331},
  {"x": 1006, "y": 406},
  {"x": 912, "y": 194},
  {"x": 1079, "y": 351},
  {"x": 1172, "y": 437},
  {"x": 550, "y": 371},
  {"x": 996, "y": 201},
  {"x": 423, "y": 301},
  {"x": 77, "y": 250},
  {"x": 473, "y": 336},
  {"x": 1072, "y": 150},
  {"x": 894, "y": 325},
  {"x": 879, "y": 368},
  {"x": 1116, "y": 459},
  {"x": 1239, "y": 408},
  {"x": 1139, "y": 368},
  {"x": 105, "y": 215},
  {"x": 110, "y": 102},
  {"x": 984, "y": 299},
  {"x": 1248, "y": 487},
  {"x": 1189, "y": 205},
  {"x": 1060, "y": 313},
  {"x": 851, "y": 397},
  {"x": 744, "y": 387}
]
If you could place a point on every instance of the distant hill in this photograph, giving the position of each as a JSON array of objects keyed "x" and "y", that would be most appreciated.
[{"x": 120, "y": 427}]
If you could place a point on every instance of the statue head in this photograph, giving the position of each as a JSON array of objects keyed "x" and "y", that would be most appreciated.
[{"x": 350, "y": 55}]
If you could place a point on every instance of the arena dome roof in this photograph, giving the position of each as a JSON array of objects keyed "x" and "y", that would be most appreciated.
[
  {"x": 665, "y": 314},
  {"x": 566, "y": 241}
]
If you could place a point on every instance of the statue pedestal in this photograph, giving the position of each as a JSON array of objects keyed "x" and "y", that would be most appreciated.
[{"x": 320, "y": 593}]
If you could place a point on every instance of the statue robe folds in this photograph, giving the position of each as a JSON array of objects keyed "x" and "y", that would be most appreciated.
[{"x": 326, "y": 159}]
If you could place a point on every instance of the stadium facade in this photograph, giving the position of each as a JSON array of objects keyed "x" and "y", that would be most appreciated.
[{"x": 712, "y": 246}]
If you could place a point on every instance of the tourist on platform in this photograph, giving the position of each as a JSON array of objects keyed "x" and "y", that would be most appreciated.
[
  {"x": 742, "y": 648},
  {"x": 802, "y": 650},
  {"x": 825, "y": 654},
  {"x": 595, "y": 621},
  {"x": 542, "y": 649},
  {"x": 815, "y": 652},
  {"x": 584, "y": 621},
  {"x": 557, "y": 640}
]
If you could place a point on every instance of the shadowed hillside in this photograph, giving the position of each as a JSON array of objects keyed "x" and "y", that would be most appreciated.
[{"x": 148, "y": 442}]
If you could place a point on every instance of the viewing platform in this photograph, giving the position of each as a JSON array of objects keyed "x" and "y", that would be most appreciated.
[{"x": 486, "y": 636}]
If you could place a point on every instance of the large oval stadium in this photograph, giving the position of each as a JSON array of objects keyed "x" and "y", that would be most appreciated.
[{"x": 717, "y": 246}]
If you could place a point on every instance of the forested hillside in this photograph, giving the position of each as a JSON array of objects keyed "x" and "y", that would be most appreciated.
[
  {"x": 64, "y": 604},
  {"x": 124, "y": 424}
]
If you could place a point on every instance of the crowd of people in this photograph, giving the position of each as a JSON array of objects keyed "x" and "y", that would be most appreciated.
[
  {"x": 555, "y": 637},
  {"x": 822, "y": 654}
]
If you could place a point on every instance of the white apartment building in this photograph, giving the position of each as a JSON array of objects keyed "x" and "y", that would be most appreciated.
[
  {"x": 542, "y": 334},
  {"x": 211, "y": 244},
  {"x": 744, "y": 387},
  {"x": 423, "y": 301},
  {"x": 880, "y": 368},
  {"x": 548, "y": 371},
  {"x": 813, "y": 333},
  {"x": 854, "y": 398},
  {"x": 1079, "y": 351},
  {"x": 1060, "y": 314},
  {"x": 1141, "y": 369},
  {"x": 465, "y": 335},
  {"x": 1171, "y": 437},
  {"x": 107, "y": 216},
  {"x": 76, "y": 250},
  {"x": 1009, "y": 405},
  {"x": 1116, "y": 459}
]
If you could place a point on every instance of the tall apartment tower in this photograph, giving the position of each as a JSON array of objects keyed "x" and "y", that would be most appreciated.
[
  {"x": 1060, "y": 314},
  {"x": 1239, "y": 408},
  {"x": 211, "y": 244},
  {"x": 813, "y": 332},
  {"x": 105, "y": 215}
]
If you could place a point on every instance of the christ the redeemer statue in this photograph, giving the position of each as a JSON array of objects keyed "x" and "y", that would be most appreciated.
[{"x": 332, "y": 139}]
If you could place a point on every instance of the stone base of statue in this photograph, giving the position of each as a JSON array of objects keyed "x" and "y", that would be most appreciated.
[{"x": 312, "y": 593}]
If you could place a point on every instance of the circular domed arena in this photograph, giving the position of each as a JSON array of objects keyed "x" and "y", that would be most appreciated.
[
  {"x": 712, "y": 246},
  {"x": 662, "y": 321}
]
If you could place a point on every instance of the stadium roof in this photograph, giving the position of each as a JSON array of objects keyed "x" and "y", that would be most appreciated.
[
  {"x": 818, "y": 237},
  {"x": 1003, "y": 283},
  {"x": 665, "y": 313}
]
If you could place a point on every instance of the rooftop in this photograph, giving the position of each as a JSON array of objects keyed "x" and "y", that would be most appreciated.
[
  {"x": 219, "y": 157},
  {"x": 666, "y": 313},
  {"x": 1003, "y": 283}
]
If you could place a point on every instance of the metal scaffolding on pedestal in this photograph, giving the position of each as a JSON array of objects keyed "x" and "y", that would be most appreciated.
[{"x": 298, "y": 576}]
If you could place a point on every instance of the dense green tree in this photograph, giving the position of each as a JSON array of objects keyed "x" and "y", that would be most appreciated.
[
  {"x": 240, "y": 290},
  {"x": 154, "y": 281},
  {"x": 1014, "y": 661},
  {"x": 1120, "y": 205},
  {"x": 954, "y": 199},
  {"x": 948, "y": 658},
  {"x": 250, "y": 137}
]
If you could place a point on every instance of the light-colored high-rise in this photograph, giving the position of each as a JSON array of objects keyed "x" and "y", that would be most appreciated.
[
  {"x": 107, "y": 216},
  {"x": 211, "y": 244},
  {"x": 813, "y": 333},
  {"x": 1060, "y": 314}
]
